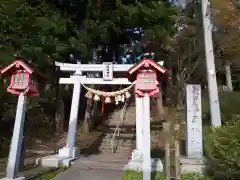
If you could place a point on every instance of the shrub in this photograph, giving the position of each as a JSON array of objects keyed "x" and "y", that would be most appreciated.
[
  {"x": 134, "y": 175},
  {"x": 222, "y": 148},
  {"x": 193, "y": 176}
]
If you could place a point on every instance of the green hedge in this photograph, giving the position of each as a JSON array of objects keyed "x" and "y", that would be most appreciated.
[
  {"x": 134, "y": 175},
  {"x": 222, "y": 148}
]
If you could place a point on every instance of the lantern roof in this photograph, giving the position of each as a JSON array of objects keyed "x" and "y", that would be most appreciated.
[
  {"x": 16, "y": 64},
  {"x": 146, "y": 63},
  {"x": 21, "y": 63}
]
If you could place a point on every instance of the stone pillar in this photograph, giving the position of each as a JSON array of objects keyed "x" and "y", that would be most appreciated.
[
  {"x": 137, "y": 153},
  {"x": 17, "y": 138},
  {"x": 70, "y": 149},
  {"x": 146, "y": 139},
  {"x": 194, "y": 138}
]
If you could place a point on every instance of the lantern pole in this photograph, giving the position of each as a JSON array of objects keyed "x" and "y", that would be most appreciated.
[
  {"x": 146, "y": 138},
  {"x": 16, "y": 143}
]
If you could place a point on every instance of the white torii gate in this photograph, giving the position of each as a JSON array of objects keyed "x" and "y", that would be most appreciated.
[
  {"x": 77, "y": 79},
  {"x": 70, "y": 150}
]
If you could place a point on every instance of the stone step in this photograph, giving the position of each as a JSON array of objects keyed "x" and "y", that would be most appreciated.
[
  {"x": 109, "y": 146},
  {"x": 109, "y": 165},
  {"x": 121, "y": 135},
  {"x": 124, "y": 154},
  {"x": 122, "y": 144},
  {"x": 127, "y": 120},
  {"x": 119, "y": 144},
  {"x": 122, "y": 131},
  {"x": 121, "y": 140},
  {"x": 106, "y": 157},
  {"x": 119, "y": 148},
  {"x": 113, "y": 124},
  {"x": 112, "y": 128},
  {"x": 116, "y": 151}
]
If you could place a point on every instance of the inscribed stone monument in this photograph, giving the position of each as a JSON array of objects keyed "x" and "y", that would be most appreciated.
[{"x": 194, "y": 122}]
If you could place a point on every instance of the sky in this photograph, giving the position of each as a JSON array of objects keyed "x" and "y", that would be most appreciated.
[{"x": 179, "y": 3}]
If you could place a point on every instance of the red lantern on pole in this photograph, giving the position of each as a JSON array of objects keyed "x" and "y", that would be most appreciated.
[
  {"x": 146, "y": 73},
  {"x": 23, "y": 78},
  {"x": 23, "y": 83}
]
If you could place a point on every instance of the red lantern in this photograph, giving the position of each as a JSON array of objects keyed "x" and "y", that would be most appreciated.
[
  {"x": 146, "y": 73},
  {"x": 23, "y": 79}
]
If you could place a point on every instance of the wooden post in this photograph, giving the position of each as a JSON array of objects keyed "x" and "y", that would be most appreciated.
[
  {"x": 167, "y": 161},
  {"x": 177, "y": 160}
]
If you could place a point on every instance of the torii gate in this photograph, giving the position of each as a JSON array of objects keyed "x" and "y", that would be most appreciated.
[
  {"x": 77, "y": 79},
  {"x": 70, "y": 151}
]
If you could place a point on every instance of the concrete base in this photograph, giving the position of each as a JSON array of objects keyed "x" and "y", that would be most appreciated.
[
  {"x": 69, "y": 152},
  {"x": 136, "y": 155},
  {"x": 188, "y": 165},
  {"x": 137, "y": 165},
  {"x": 192, "y": 165},
  {"x": 54, "y": 161},
  {"x": 18, "y": 178}
]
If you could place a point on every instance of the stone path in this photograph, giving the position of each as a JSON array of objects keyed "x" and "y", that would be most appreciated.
[
  {"x": 75, "y": 173},
  {"x": 96, "y": 167}
]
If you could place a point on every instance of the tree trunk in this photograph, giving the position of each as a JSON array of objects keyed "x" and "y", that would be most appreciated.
[
  {"x": 160, "y": 114},
  {"x": 169, "y": 88},
  {"x": 180, "y": 88},
  {"x": 228, "y": 76},
  {"x": 87, "y": 124},
  {"x": 60, "y": 110},
  {"x": 88, "y": 118}
]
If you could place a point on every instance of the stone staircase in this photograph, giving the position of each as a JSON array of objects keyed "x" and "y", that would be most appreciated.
[{"x": 124, "y": 142}]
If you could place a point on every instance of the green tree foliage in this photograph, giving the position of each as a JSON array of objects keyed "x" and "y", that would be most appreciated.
[
  {"x": 104, "y": 20},
  {"x": 42, "y": 34},
  {"x": 226, "y": 20},
  {"x": 44, "y": 31},
  {"x": 222, "y": 147},
  {"x": 35, "y": 31}
]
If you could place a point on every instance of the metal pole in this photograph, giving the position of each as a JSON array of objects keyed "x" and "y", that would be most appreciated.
[{"x": 210, "y": 65}]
